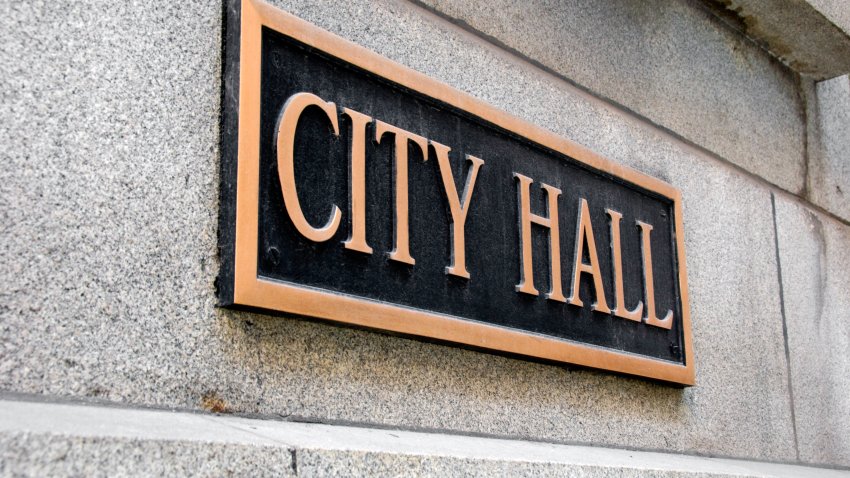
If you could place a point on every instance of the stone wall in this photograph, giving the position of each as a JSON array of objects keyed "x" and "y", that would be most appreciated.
[{"x": 109, "y": 214}]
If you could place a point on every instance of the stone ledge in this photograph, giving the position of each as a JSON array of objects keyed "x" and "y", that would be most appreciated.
[
  {"x": 809, "y": 36},
  {"x": 67, "y": 439}
]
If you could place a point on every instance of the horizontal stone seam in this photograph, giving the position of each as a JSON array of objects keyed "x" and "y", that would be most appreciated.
[
  {"x": 639, "y": 118},
  {"x": 533, "y": 439},
  {"x": 88, "y": 402}
]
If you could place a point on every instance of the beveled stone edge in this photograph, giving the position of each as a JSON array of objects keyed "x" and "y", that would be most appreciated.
[{"x": 102, "y": 421}]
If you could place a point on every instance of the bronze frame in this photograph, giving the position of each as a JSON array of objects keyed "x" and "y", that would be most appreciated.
[{"x": 250, "y": 290}]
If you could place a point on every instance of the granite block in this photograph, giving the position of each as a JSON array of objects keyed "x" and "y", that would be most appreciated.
[
  {"x": 30, "y": 454},
  {"x": 108, "y": 201},
  {"x": 109, "y": 212},
  {"x": 315, "y": 463},
  {"x": 814, "y": 254},
  {"x": 40, "y": 438},
  {"x": 671, "y": 62},
  {"x": 326, "y": 463},
  {"x": 829, "y": 151}
]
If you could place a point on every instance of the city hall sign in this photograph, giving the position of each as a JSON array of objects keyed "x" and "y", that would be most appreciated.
[{"x": 359, "y": 191}]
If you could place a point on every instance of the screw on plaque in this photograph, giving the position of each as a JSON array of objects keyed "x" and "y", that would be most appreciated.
[{"x": 273, "y": 255}]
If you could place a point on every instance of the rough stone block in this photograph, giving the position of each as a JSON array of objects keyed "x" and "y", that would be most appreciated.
[{"x": 814, "y": 254}]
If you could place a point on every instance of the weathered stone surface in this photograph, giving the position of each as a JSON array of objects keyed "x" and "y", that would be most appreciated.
[
  {"x": 109, "y": 218},
  {"x": 671, "y": 62},
  {"x": 829, "y": 146},
  {"x": 71, "y": 440},
  {"x": 814, "y": 254},
  {"x": 810, "y": 36}
]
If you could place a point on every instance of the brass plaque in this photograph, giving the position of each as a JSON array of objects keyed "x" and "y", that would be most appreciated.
[{"x": 356, "y": 190}]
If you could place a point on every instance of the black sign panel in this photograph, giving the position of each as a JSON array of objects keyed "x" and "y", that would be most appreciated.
[{"x": 358, "y": 191}]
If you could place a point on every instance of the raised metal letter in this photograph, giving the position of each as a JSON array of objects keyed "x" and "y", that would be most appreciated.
[
  {"x": 620, "y": 309},
  {"x": 357, "y": 186},
  {"x": 292, "y": 110},
  {"x": 458, "y": 209},
  {"x": 401, "y": 252},
  {"x": 584, "y": 231},
  {"x": 526, "y": 283},
  {"x": 648, "y": 281}
]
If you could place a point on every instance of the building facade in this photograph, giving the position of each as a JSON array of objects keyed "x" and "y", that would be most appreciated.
[{"x": 116, "y": 358}]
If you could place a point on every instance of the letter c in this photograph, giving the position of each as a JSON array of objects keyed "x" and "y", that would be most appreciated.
[{"x": 292, "y": 110}]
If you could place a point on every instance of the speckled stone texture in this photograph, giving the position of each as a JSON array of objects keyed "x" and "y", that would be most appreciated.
[
  {"x": 108, "y": 207},
  {"x": 30, "y": 454},
  {"x": 319, "y": 463},
  {"x": 829, "y": 166},
  {"x": 669, "y": 61},
  {"x": 815, "y": 254},
  {"x": 108, "y": 204},
  {"x": 835, "y": 11},
  {"x": 343, "y": 463}
]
